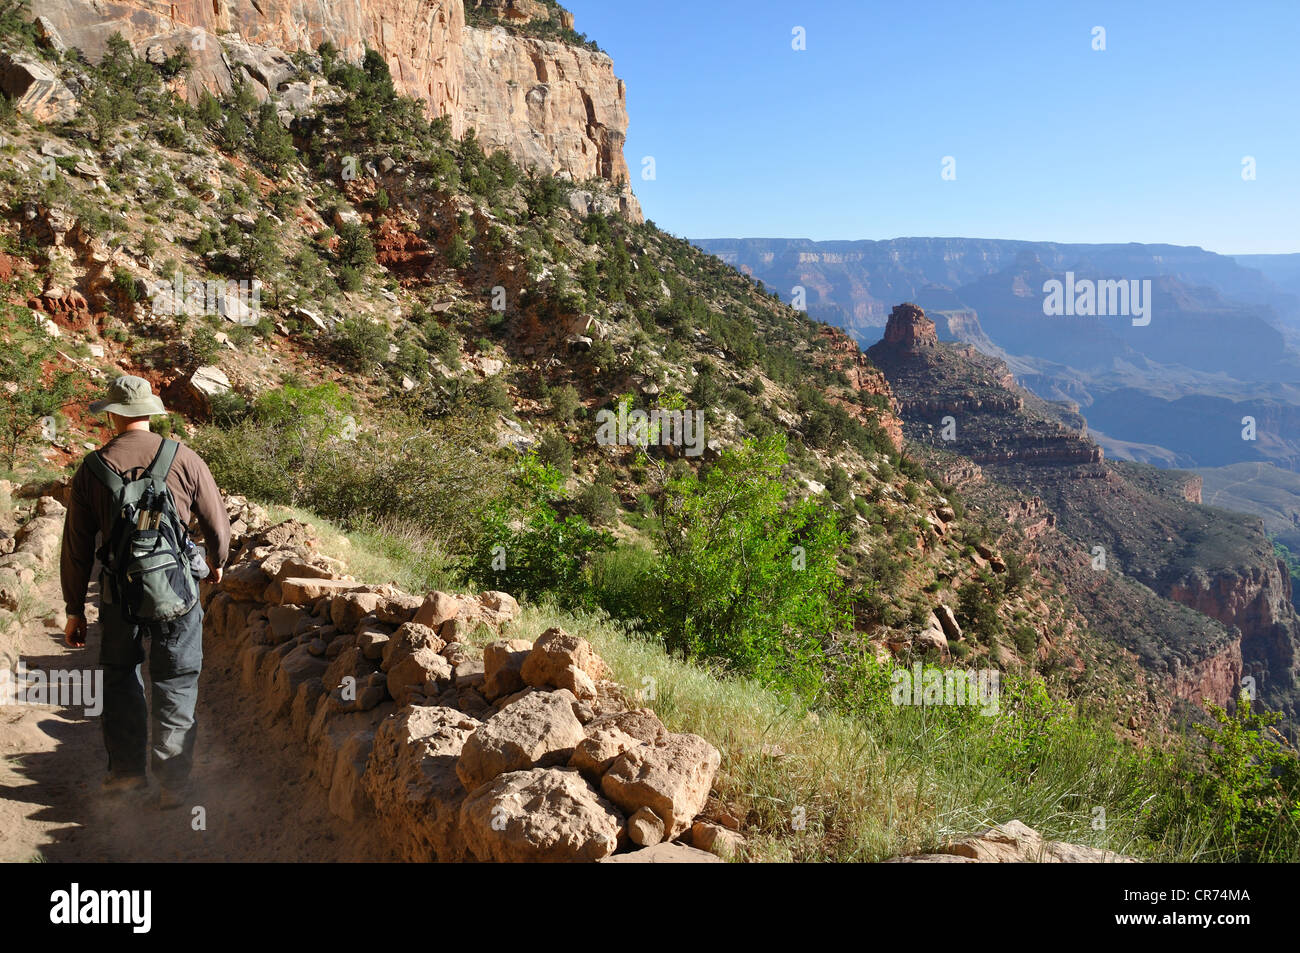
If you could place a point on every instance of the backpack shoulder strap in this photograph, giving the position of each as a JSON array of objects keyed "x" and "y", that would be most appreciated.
[
  {"x": 106, "y": 475},
  {"x": 162, "y": 463}
]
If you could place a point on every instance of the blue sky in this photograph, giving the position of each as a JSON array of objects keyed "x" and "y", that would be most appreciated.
[{"x": 1052, "y": 140}]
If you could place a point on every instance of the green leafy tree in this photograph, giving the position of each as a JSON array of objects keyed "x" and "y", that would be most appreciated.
[
  {"x": 360, "y": 343},
  {"x": 259, "y": 252},
  {"x": 528, "y": 547},
  {"x": 746, "y": 578},
  {"x": 977, "y": 608},
  {"x": 209, "y": 110},
  {"x": 1252, "y": 786},
  {"x": 356, "y": 249},
  {"x": 564, "y": 402},
  {"x": 458, "y": 255}
]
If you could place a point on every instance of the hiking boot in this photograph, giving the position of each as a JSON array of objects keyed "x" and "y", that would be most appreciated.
[{"x": 121, "y": 783}]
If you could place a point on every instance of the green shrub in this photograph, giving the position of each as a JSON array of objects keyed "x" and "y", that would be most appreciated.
[
  {"x": 350, "y": 279},
  {"x": 31, "y": 394},
  {"x": 307, "y": 447},
  {"x": 598, "y": 504},
  {"x": 564, "y": 402},
  {"x": 623, "y": 583},
  {"x": 458, "y": 255},
  {"x": 556, "y": 452},
  {"x": 359, "y": 343},
  {"x": 527, "y": 547},
  {"x": 754, "y": 583}
]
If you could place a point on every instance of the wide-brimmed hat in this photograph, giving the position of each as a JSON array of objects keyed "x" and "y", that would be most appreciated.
[{"x": 129, "y": 397}]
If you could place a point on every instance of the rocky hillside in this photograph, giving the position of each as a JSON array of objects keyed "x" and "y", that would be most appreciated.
[
  {"x": 418, "y": 272},
  {"x": 551, "y": 103}
]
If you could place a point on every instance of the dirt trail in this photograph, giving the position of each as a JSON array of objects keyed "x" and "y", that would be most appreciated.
[{"x": 261, "y": 804}]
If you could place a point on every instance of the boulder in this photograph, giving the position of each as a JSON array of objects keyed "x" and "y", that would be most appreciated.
[
  {"x": 436, "y": 609},
  {"x": 412, "y": 783},
  {"x": 716, "y": 839},
  {"x": 35, "y": 90},
  {"x": 544, "y": 814},
  {"x": 205, "y": 383},
  {"x": 295, "y": 567},
  {"x": 503, "y": 661},
  {"x": 1016, "y": 843},
  {"x": 641, "y": 723},
  {"x": 245, "y": 581},
  {"x": 413, "y": 672},
  {"x": 561, "y": 660},
  {"x": 397, "y": 608},
  {"x": 539, "y": 730},
  {"x": 932, "y": 639},
  {"x": 469, "y": 673},
  {"x": 597, "y": 751},
  {"x": 306, "y": 590},
  {"x": 284, "y": 620},
  {"x": 371, "y": 641},
  {"x": 296, "y": 667},
  {"x": 304, "y": 704},
  {"x": 411, "y": 658},
  {"x": 408, "y": 638},
  {"x": 672, "y": 777},
  {"x": 349, "y": 663},
  {"x": 645, "y": 828},
  {"x": 501, "y": 603},
  {"x": 948, "y": 622},
  {"x": 349, "y": 608},
  {"x": 664, "y": 854},
  {"x": 330, "y": 731},
  {"x": 347, "y": 796}
]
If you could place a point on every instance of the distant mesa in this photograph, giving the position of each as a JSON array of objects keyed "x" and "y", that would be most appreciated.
[{"x": 908, "y": 327}]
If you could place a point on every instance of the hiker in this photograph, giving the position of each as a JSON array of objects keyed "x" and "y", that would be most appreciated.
[{"x": 137, "y": 493}]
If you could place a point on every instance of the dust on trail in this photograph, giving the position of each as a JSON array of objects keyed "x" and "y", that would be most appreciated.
[{"x": 260, "y": 801}]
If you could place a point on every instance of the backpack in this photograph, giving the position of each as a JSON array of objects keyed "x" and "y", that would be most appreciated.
[{"x": 146, "y": 553}]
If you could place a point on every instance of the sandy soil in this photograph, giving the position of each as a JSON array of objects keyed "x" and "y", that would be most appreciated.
[{"x": 260, "y": 802}]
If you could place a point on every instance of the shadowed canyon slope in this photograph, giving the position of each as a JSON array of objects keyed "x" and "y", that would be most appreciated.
[{"x": 1132, "y": 539}]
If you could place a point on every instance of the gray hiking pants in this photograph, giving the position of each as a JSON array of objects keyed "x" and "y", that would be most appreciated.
[{"x": 175, "y": 660}]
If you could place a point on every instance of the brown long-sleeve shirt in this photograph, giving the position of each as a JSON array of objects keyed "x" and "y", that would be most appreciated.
[{"x": 90, "y": 508}]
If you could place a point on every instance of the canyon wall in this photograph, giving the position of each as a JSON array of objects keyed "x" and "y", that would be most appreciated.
[
  {"x": 1256, "y": 601},
  {"x": 551, "y": 105}
]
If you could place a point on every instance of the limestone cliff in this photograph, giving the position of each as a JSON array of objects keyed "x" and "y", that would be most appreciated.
[{"x": 551, "y": 105}]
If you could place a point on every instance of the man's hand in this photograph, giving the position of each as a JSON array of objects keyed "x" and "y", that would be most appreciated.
[
  {"x": 214, "y": 574},
  {"x": 74, "y": 632}
]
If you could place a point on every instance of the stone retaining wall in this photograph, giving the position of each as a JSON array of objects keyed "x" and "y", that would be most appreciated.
[
  {"x": 32, "y": 551},
  {"x": 505, "y": 751}
]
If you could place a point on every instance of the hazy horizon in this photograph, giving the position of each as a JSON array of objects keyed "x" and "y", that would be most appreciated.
[{"x": 991, "y": 238}]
